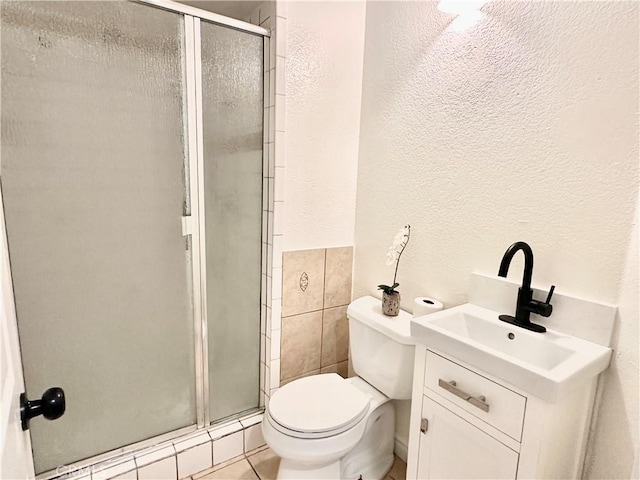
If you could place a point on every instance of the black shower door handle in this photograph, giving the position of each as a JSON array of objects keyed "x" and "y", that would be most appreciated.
[{"x": 50, "y": 406}]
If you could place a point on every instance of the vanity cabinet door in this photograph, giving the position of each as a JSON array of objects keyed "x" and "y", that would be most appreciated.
[{"x": 452, "y": 448}]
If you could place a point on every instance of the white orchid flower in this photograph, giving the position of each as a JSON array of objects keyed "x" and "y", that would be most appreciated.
[
  {"x": 391, "y": 256},
  {"x": 399, "y": 241},
  {"x": 394, "y": 252},
  {"x": 400, "y": 237}
]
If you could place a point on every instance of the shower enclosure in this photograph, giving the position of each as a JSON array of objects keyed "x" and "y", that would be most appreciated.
[{"x": 132, "y": 177}]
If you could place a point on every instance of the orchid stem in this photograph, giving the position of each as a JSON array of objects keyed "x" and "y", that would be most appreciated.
[{"x": 400, "y": 254}]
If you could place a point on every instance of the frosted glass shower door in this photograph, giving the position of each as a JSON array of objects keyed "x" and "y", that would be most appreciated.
[
  {"x": 93, "y": 174},
  {"x": 232, "y": 111}
]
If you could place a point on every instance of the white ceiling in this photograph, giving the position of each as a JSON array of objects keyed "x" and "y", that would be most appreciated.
[{"x": 240, "y": 9}]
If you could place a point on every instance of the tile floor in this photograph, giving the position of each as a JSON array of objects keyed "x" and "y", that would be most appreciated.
[{"x": 262, "y": 464}]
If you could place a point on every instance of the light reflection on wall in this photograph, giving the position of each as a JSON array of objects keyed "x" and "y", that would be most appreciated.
[
  {"x": 467, "y": 11},
  {"x": 465, "y": 21}
]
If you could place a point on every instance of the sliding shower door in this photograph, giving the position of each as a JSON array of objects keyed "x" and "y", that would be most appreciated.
[
  {"x": 100, "y": 174},
  {"x": 232, "y": 108},
  {"x": 93, "y": 163}
]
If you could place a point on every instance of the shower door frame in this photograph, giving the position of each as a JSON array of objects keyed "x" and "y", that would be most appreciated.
[{"x": 193, "y": 224}]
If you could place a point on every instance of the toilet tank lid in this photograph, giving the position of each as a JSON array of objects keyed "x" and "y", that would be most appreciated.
[{"x": 368, "y": 310}]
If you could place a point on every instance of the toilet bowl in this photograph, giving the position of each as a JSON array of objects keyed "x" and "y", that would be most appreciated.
[
  {"x": 328, "y": 427},
  {"x": 339, "y": 415}
]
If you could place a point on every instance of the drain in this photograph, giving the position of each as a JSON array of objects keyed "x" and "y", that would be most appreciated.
[{"x": 511, "y": 336}]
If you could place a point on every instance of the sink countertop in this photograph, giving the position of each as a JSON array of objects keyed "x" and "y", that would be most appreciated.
[{"x": 547, "y": 365}]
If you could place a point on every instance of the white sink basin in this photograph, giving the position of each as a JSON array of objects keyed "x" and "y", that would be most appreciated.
[{"x": 543, "y": 364}]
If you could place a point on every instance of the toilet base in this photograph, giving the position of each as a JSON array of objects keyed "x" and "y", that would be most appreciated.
[{"x": 373, "y": 457}]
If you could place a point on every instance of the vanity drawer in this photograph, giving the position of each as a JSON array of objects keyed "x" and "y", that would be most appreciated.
[{"x": 501, "y": 408}]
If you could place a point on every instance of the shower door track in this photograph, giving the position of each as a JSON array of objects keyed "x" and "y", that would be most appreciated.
[{"x": 191, "y": 226}]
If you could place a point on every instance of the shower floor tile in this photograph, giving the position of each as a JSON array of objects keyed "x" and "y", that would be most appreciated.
[{"x": 262, "y": 464}]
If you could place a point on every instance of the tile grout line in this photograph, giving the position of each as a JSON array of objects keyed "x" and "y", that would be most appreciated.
[
  {"x": 324, "y": 288},
  {"x": 252, "y": 467},
  {"x": 240, "y": 458},
  {"x": 324, "y": 277}
]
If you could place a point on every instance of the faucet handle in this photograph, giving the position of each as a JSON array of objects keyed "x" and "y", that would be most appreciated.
[
  {"x": 542, "y": 308},
  {"x": 548, "y": 300}
]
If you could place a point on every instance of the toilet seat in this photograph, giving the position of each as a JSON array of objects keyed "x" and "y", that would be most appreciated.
[{"x": 318, "y": 406}]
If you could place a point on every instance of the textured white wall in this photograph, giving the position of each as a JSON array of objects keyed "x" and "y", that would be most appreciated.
[
  {"x": 613, "y": 451},
  {"x": 325, "y": 42},
  {"x": 522, "y": 127}
]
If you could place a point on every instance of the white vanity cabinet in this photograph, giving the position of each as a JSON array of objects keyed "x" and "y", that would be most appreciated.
[
  {"x": 466, "y": 423},
  {"x": 454, "y": 448}
]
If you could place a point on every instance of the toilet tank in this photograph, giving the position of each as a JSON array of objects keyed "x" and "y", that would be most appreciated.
[{"x": 381, "y": 347}]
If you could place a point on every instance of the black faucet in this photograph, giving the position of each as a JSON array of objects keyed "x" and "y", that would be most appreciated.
[{"x": 526, "y": 304}]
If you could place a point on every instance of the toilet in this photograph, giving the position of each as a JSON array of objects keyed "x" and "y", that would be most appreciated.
[{"x": 328, "y": 427}]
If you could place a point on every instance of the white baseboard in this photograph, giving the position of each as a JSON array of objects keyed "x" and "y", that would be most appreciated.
[{"x": 401, "y": 449}]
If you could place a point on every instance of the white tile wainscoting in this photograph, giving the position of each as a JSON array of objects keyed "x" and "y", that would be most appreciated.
[
  {"x": 272, "y": 16},
  {"x": 181, "y": 457}
]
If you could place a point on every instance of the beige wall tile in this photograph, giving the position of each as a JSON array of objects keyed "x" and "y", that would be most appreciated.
[
  {"x": 330, "y": 369},
  {"x": 302, "y": 281},
  {"x": 335, "y": 336},
  {"x": 337, "y": 278},
  {"x": 308, "y": 374},
  {"x": 341, "y": 369},
  {"x": 300, "y": 344}
]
